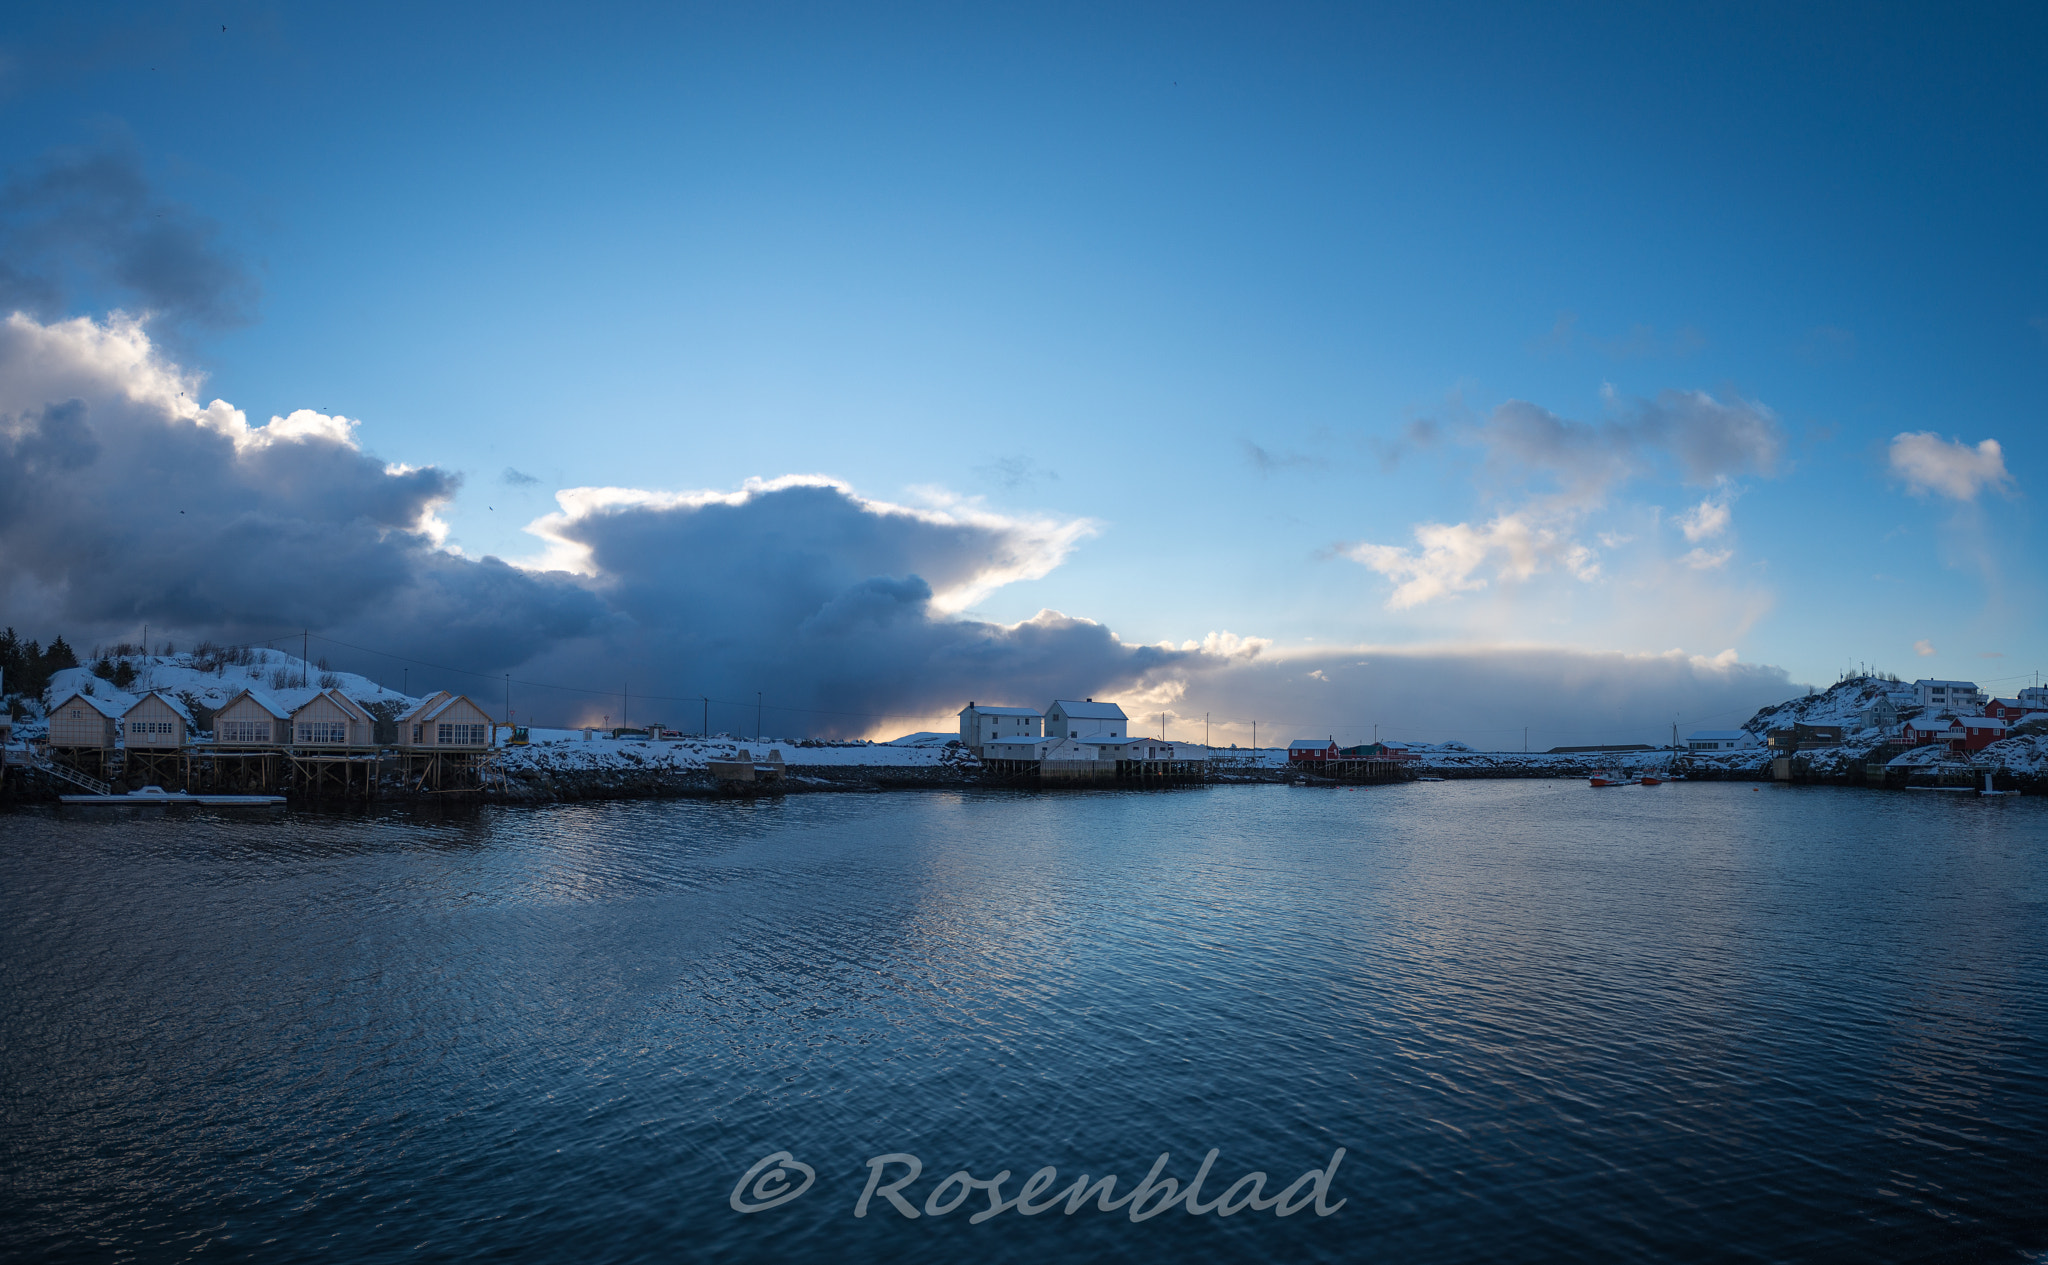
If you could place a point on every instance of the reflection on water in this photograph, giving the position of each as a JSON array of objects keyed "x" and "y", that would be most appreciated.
[{"x": 1544, "y": 1023}]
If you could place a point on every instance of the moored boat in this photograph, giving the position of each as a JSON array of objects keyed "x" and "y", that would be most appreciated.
[{"x": 1610, "y": 777}]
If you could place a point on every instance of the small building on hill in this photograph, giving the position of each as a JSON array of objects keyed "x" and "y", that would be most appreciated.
[
  {"x": 1086, "y": 718},
  {"x": 83, "y": 721},
  {"x": 445, "y": 722},
  {"x": 1961, "y": 697},
  {"x": 2013, "y": 710},
  {"x": 332, "y": 719},
  {"x": 981, "y": 724},
  {"x": 1922, "y": 730},
  {"x": 252, "y": 719},
  {"x": 157, "y": 722}
]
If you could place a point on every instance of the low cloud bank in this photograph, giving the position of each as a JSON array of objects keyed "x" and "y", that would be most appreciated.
[{"x": 1481, "y": 696}]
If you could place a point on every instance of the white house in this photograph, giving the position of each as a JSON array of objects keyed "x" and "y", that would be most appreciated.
[
  {"x": 1067, "y": 718},
  {"x": 981, "y": 725},
  {"x": 445, "y": 722},
  {"x": 157, "y": 722},
  {"x": 1719, "y": 740},
  {"x": 252, "y": 719},
  {"x": 1961, "y": 697},
  {"x": 2035, "y": 697},
  {"x": 330, "y": 718},
  {"x": 82, "y": 720}
]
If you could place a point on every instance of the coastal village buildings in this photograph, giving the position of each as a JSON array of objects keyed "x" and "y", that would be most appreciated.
[
  {"x": 1719, "y": 740},
  {"x": 156, "y": 721},
  {"x": 252, "y": 719},
  {"x": 1960, "y": 697},
  {"x": 445, "y": 722},
  {"x": 1069, "y": 719},
  {"x": 82, "y": 722},
  {"x": 332, "y": 719},
  {"x": 981, "y": 725},
  {"x": 1311, "y": 750}
]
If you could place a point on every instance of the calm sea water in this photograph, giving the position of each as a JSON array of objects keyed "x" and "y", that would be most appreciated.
[{"x": 1701, "y": 1022}]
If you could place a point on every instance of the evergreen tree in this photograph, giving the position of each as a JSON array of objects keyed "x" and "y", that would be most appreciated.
[{"x": 59, "y": 656}]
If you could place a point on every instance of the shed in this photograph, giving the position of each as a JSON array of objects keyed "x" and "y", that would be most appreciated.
[
  {"x": 445, "y": 722},
  {"x": 82, "y": 720},
  {"x": 1067, "y": 718},
  {"x": 332, "y": 719},
  {"x": 252, "y": 719},
  {"x": 1719, "y": 740},
  {"x": 157, "y": 721},
  {"x": 1312, "y": 749}
]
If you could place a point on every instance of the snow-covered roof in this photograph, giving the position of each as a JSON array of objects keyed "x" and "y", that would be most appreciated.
[
  {"x": 262, "y": 700},
  {"x": 300, "y": 699},
  {"x": 1953, "y": 685},
  {"x": 183, "y": 713},
  {"x": 430, "y": 701},
  {"x": 1312, "y": 744},
  {"x": 1718, "y": 735},
  {"x": 986, "y": 710},
  {"x": 111, "y": 708},
  {"x": 1088, "y": 710},
  {"x": 1980, "y": 722}
]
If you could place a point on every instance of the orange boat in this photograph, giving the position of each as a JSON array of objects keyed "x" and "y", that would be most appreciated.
[{"x": 1647, "y": 780}]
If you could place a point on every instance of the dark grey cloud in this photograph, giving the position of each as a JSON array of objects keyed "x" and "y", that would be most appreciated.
[
  {"x": 122, "y": 501},
  {"x": 830, "y": 605},
  {"x": 89, "y": 219}
]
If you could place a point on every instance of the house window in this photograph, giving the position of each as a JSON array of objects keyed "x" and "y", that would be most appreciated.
[
  {"x": 459, "y": 735},
  {"x": 416, "y": 733},
  {"x": 330, "y": 731},
  {"x": 245, "y": 731}
]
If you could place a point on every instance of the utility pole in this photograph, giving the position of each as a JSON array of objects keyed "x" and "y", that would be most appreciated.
[
  {"x": 305, "y": 654},
  {"x": 1255, "y": 740},
  {"x": 707, "y": 715},
  {"x": 1205, "y": 729},
  {"x": 625, "y": 712},
  {"x": 757, "y": 715},
  {"x": 508, "y": 698},
  {"x": 405, "y": 682}
]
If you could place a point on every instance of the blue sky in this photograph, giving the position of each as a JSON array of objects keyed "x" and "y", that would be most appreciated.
[{"x": 1247, "y": 289}]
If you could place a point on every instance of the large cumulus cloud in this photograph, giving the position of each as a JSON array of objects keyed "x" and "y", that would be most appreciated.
[{"x": 124, "y": 500}]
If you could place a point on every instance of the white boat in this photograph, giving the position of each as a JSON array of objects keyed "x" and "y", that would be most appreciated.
[{"x": 154, "y": 796}]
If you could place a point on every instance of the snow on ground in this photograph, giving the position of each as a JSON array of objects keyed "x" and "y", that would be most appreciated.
[
  {"x": 1842, "y": 703},
  {"x": 192, "y": 682}
]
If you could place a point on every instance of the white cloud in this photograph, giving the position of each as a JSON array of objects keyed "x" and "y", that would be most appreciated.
[
  {"x": 1924, "y": 648},
  {"x": 1450, "y": 554},
  {"x": 1930, "y": 464},
  {"x": 1707, "y": 560},
  {"x": 1706, "y": 520}
]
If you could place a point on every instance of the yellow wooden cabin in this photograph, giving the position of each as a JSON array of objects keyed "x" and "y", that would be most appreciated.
[
  {"x": 251, "y": 719},
  {"x": 445, "y": 722},
  {"x": 157, "y": 722},
  {"x": 84, "y": 721},
  {"x": 332, "y": 719}
]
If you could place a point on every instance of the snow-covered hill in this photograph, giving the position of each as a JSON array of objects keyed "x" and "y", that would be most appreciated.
[
  {"x": 1844, "y": 703},
  {"x": 206, "y": 683}
]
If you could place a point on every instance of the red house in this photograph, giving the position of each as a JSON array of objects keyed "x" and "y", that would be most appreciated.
[
  {"x": 2011, "y": 711},
  {"x": 1303, "y": 749},
  {"x": 1925, "y": 729},
  {"x": 1980, "y": 732}
]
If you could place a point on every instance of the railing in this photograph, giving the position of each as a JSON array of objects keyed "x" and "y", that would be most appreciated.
[{"x": 65, "y": 773}]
